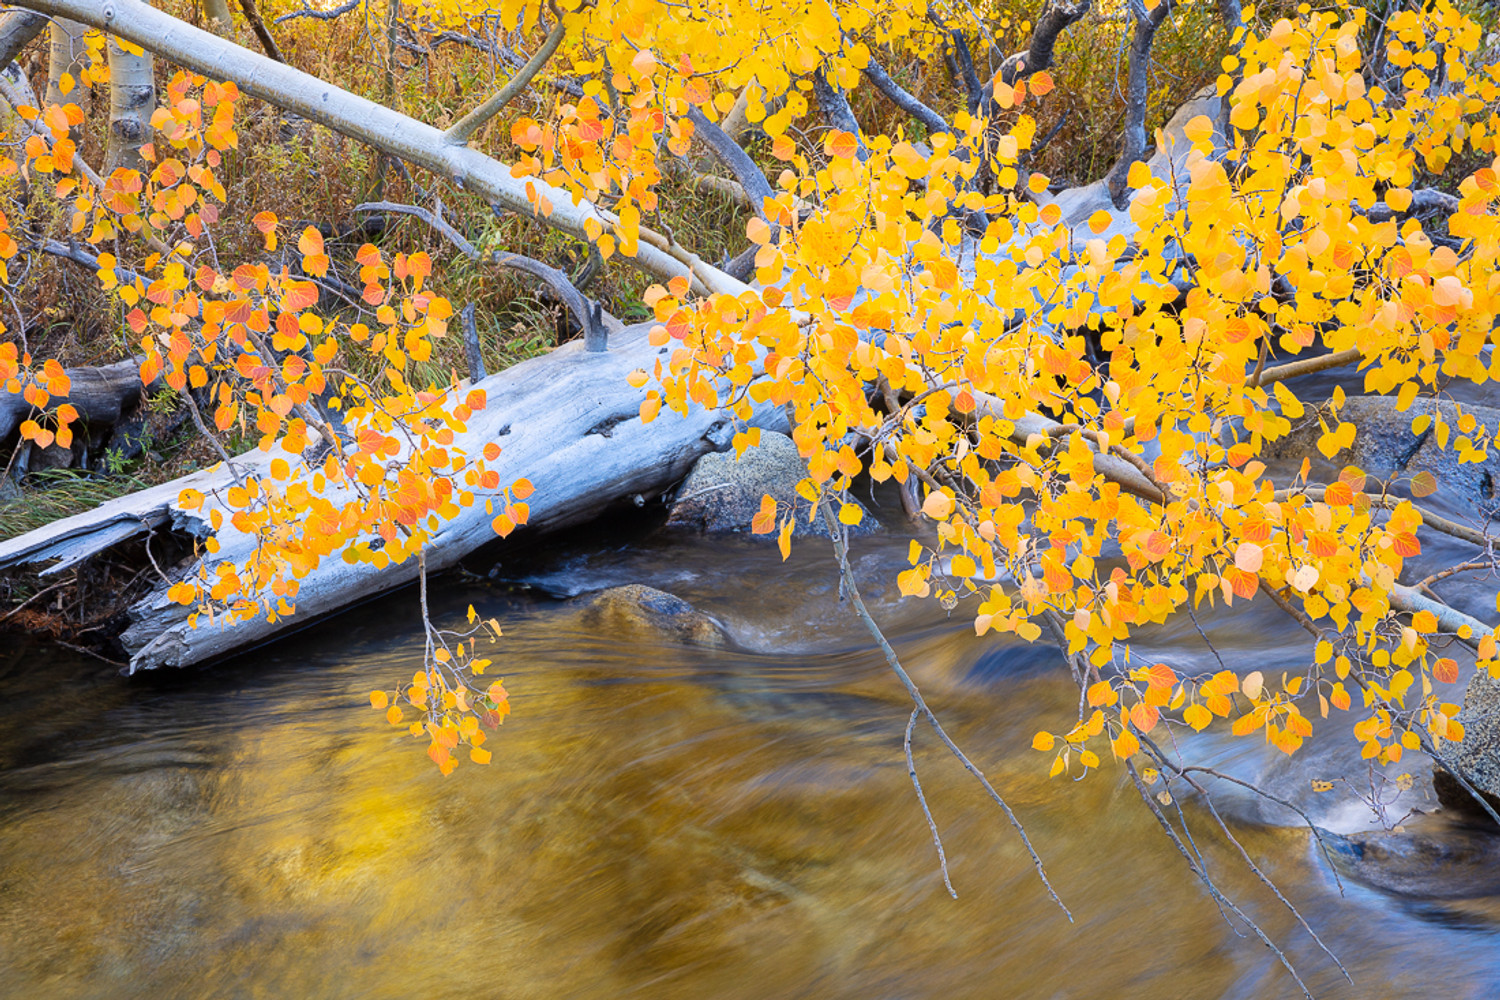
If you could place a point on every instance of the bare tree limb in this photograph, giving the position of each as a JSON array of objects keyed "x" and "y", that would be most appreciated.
[
  {"x": 262, "y": 33},
  {"x": 589, "y": 315},
  {"x": 431, "y": 218},
  {"x": 728, "y": 152},
  {"x": 463, "y": 130},
  {"x": 911, "y": 769},
  {"x": 836, "y": 110},
  {"x": 17, "y": 29},
  {"x": 851, "y": 588},
  {"x": 904, "y": 99},
  {"x": 321, "y": 15},
  {"x": 1137, "y": 89},
  {"x": 1037, "y": 56},
  {"x": 471, "y": 344}
]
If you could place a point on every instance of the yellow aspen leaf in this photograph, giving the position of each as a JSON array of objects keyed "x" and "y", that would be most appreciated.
[
  {"x": 1043, "y": 741},
  {"x": 379, "y": 699},
  {"x": 393, "y": 715},
  {"x": 1102, "y": 693},
  {"x": 479, "y": 755},
  {"x": 937, "y": 506},
  {"x": 1197, "y": 716},
  {"x": 851, "y": 514}
]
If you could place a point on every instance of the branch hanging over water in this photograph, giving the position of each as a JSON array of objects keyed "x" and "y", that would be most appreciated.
[{"x": 851, "y": 587}]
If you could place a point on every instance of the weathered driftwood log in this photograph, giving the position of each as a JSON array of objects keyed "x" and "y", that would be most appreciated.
[
  {"x": 100, "y": 395},
  {"x": 569, "y": 421}
]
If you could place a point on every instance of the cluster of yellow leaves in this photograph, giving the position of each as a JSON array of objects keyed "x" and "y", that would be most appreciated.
[
  {"x": 249, "y": 353},
  {"x": 1271, "y": 242},
  {"x": 453, "y": 707}
]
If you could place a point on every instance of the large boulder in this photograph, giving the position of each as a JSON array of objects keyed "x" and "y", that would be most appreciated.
[
  {"x": 637, "y": 609},
  {"x": 1478, "y": 755},
  {"x": 1386, "y": 448},
  {"x": 722, "y": 494}
]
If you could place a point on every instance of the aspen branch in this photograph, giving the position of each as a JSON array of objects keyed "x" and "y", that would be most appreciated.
[
  {"x": 1208, "y": 883},
  {"x": 728, "y": 152},
  {"x": 464, "y": 129},
  {"x": 262, "y": 33},
  {"x": 17, "y": 29},
  {"x": 589, "y": 315},
  {"x": 1137, "y": 89},
  {"x": 1037, "y": 56},
  {"x": 388, "y": 131},
  {"x": 431, "y": 218},
  {"x": 851, "y": 588},
  {"x": 1308, "y": 366},
  {"x": 321, "y": 15},
  {"x": 836, "y": 110},
  {"x": 904, "y": 99}
]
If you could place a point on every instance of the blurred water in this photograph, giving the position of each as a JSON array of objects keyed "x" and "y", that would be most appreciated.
[{"x": 659, "y": 820}]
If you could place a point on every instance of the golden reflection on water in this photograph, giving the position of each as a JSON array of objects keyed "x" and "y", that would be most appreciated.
[{"x": 660, "y": 821}]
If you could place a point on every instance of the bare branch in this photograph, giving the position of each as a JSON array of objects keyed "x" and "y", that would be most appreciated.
[
  {"x": 17, "y": 29},
  {"x": 728, "y": 152},
  {"x": 1036, "y": 57},
  {"x": 432, "y": 219},
  {"x": 472, "y": 122},
  {"x": 262, "y": 33},
  {"x": 904, "y": 99},
  {"x": 836, "y": 110},
  {"x": 911, "y": 769},
  {"x": 1208, "y": 883},
  {"x": 851, "y": 588},
  {"x": 471, "y": 344},
  {"x": 589, "y": 315},
  {"x": 1307, "y": 366},
  {"x": 321, "y": 15},
  {"x": 1137, "y": 89}
]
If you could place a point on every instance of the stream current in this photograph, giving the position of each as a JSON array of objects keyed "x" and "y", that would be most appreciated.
[{"x": 660, "y": 819}]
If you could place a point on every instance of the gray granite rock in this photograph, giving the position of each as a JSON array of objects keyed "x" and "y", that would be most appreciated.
[
  {"x": 722, "y": 495},
  {"x": 1478, "y": 756},
  {"x": 1386, "y": 448}
]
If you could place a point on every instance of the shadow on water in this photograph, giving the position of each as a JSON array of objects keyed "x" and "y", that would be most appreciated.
[{"x": 660, "y": 820}]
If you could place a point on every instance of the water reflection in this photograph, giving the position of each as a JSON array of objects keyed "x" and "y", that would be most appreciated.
[{"x": 660, "y": 821}]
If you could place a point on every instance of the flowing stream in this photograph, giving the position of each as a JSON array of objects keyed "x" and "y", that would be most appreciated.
[{"x": 661, "y": 819}]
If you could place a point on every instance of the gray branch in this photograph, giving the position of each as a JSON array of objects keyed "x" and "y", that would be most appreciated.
[
  {"x": 472, "y": 122},
  {"x": 836, "y": 110},
  {"x": 1036, "y": 57},
  {"x": 735, "y": 159},
  {"x": 904, "y": 99}
]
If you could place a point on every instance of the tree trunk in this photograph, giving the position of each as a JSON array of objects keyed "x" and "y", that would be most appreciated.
[
  {"x": 569, "y": 421},
  {"x": 375, "y": 125},
  {"x": 65, "y": 60},
  {"x": 132, "y": 99}
]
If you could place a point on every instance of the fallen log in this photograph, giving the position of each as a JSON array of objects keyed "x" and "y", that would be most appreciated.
[
  {"x": 568, "y": 421},
  {"x": 100, "y": 395}
]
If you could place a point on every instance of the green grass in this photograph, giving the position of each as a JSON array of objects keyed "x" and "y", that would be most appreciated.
[{"x": 59, "y": 493}]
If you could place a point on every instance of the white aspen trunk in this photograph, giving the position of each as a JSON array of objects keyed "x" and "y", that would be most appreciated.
[
  {"x": 132, "y": 99},
  {"x": 375, "y": 125},
  {"x": 65, "y": 60}
]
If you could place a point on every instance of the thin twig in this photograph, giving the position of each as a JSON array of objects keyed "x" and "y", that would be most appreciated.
[
  {"x": 911, "y": 769},
  {"x": 841, "y": 549}
]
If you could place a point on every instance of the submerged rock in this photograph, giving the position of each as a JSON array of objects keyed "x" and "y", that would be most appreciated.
[
  {"x": 722, "y": 494},
  {"x": 1429, "y": 859},
  {"x": 635, "y": 608}
]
